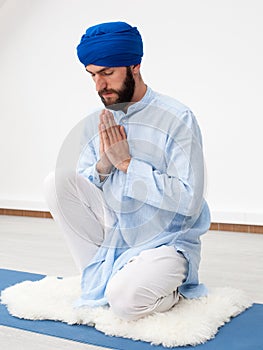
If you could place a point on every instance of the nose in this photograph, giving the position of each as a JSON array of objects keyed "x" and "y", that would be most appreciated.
[{"x": 100, "y": 83}]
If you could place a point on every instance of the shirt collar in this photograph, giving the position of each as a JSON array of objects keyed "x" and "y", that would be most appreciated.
[{"x": 137, "y": 106}]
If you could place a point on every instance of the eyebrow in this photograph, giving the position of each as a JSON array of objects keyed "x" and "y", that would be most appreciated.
[{"x": 99, "y": 71}]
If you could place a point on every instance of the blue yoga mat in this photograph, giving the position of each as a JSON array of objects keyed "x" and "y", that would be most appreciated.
[{"x": 244, "y": 332}]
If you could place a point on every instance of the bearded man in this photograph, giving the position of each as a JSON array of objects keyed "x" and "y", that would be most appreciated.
[{"x": 133, "y": 211}]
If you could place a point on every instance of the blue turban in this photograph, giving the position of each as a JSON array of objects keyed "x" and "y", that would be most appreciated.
[{"x": 113, "y": 44}]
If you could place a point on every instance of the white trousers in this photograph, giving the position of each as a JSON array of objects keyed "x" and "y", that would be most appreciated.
[{"x": 147, "y": 283}]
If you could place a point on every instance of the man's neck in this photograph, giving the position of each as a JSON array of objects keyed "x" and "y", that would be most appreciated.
[{"x": 139, "y": 92}]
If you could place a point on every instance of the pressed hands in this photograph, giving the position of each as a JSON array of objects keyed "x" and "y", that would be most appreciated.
[{"x": 114, "y": 148}]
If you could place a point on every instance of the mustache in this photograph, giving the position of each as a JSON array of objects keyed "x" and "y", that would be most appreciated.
[{"x": 105, "y": 91}]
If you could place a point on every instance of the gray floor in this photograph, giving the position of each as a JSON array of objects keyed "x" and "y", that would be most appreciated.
[{"x": 36, "y": 245}]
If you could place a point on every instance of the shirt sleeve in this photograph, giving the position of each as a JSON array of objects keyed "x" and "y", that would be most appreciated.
[
  {"x": 179, "y": 187},
  {"x": 87, "y": 166}
]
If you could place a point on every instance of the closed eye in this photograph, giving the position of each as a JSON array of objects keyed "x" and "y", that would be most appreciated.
[
  {"x": 107, "y": 73},
  {"x": 104, "y": 71}
]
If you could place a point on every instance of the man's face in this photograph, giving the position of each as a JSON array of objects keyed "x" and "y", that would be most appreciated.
[{"x": 114, "y": 85}]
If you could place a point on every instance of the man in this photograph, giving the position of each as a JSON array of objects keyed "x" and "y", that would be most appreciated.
[{"x": 133, "y": 212}]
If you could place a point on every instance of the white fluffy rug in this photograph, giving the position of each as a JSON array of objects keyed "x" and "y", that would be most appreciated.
[{"x": 190, "y": 322}]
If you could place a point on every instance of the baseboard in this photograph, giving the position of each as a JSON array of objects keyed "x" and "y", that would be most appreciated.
[
  {"x": 219, "y": 226},
  {"x": 30, "y": 213},
  {"x": 215, "y": 226}
]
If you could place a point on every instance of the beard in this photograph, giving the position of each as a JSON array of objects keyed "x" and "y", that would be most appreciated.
[{"x": 125, "y": 94}]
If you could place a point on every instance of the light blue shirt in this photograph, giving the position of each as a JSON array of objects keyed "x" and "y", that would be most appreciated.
[{"x": 159, "y": 201}]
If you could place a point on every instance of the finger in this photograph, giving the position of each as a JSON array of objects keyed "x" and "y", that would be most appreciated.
[
  {"x": 101, "y": 118},
  {"x": 109, "y": 115},
  {"x": 101, "y": 114},
  {"x": 104, "y": 135},
  {"x": 123, "y": 133},
  {"x": 105, "y": 119},
  {"x": 115, "y": 126},
  {"x": 102, "y": 129},
  {"x": 112, "y": 127},
  {"x": 102, "y": 126},
  {"x": 101, "y": 139}
]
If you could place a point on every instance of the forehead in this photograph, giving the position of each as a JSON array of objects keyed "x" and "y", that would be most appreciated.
[{"x": 92, "y": 68}]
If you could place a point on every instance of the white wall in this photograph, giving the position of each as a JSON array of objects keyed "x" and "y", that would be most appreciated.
[{"x": 208, "y": 54}]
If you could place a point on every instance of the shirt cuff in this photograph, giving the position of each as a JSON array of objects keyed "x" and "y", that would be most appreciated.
[
  {"x": 94, "y": 177},
  {"x": 137, "y": 180}
]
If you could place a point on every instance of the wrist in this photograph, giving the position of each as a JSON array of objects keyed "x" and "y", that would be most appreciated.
[
  {"x": 123, "y": 166},
  {"x": 103, "y": 169}
]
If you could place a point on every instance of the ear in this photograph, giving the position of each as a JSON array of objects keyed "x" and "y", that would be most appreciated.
[{"x": 136, "y": 69}]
